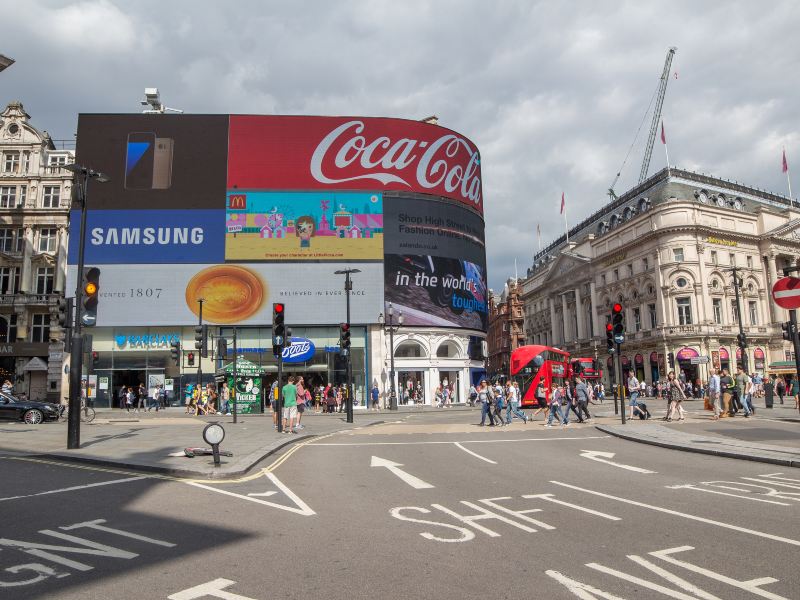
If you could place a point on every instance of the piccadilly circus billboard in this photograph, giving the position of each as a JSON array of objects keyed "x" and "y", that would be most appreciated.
[{"x": 246, "y": 210}]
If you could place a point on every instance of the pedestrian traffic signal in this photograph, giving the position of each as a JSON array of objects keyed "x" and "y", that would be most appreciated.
[
  {"x": 201, "y": 339},
  {"x": 278, "y": 328},
  {"x": 190, "y": 359},
  {"x": 90, "y": 285},
  {"x": 222, "y": 348},
  {"x": 65, "y": 309},
  {"x": 344, "y": 338},
  {"x": 610, "y": 338},
  {"x": 175, "y": 353},
  {"x": 671, "y": 360}
]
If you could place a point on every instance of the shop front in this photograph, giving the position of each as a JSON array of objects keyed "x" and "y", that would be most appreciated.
[
  {"x": 25, "y": 365},
  {"x": 759, "y": 360},
  {"x": 687, "y": 370},
  {"x": 724, "y": 359},
  {"x": 655, "y": 373},
  {"x": 638, "y": 364}
]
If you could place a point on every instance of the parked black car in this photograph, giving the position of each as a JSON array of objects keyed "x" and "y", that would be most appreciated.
[{"x": 33, "y": 413}]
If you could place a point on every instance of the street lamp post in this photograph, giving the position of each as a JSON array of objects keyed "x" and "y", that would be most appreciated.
[
  {"x": 741, "y": 338},
  {"x": 83, "y": 175},
  {"x": 388, "y": 325},
  {"x": 348, "y": 286}
]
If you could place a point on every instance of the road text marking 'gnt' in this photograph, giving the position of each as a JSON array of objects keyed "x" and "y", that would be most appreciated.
[
  {"x": 495, "y": 511},
  {"x": 53, "y": 553}
]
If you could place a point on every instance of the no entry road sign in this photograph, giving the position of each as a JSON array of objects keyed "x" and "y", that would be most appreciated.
[{"x": 786, "y": 292}]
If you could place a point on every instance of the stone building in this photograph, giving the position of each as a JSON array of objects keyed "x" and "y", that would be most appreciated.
[
  {"x": 34, "y": 213},
  {"x": 505, "y": 327},
  {"x": 665, "y": 250}
]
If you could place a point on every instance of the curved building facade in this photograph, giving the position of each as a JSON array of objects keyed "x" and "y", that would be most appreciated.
[{"x": 242, "y": 211}]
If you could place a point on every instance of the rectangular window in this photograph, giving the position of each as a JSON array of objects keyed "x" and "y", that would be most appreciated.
[
  {"x": 716, "y": 304},
  {"x": 23, "y": 194},
  {"x": 714, "y": 260},
  {"x": 630, "y": 270},
  {"x": 8, "y": 328},
  {"x": 616, "y": 274},
  {"x": 732, "y": 259},
  {"x": 645, "y": 264},
  {"x": 677, "y": 254},
  {"x": 751, "y": 308},
  {"x": 749, "y": 262},
  {"x": 47, "y": 240},
  {"x": 684, "y": 311},
  {"x": 60, "y": 159},
  {"x": 20, "y": 240},
  {"x": 40, "y": 328},
  {"x": 9, "y": 280},
  {"x": 603, "y": 279},
  {"x": 8, "y": 196},
  {"x": 651, "y": 308},
  {"x": 6, "y": 239},
  {"x": 637, "y": 319},
  {"x": 51, "y": 197},
  {"x": 44, "y": 280},
  {"x": 11, "y": 163},
  {"x": 734, "y": 315},
  {"x": 26, "y": 162}
]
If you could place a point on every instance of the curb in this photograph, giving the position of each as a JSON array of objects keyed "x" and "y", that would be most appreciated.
[
  {"x": 784, "y": 462},
  {"x": 258, "y": 455}
]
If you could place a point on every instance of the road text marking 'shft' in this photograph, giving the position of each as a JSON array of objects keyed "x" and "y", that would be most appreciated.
[
  {"x": 393, "y": 467},
  {"x": 605, "y": 457}
]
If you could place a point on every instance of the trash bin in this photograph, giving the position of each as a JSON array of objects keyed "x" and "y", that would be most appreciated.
[{"x": 769, "y": 389}]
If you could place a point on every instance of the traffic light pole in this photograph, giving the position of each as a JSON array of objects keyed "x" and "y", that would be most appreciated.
[
  {"x": 620, "y": 384},
  {"x": 232, "y": 392},
  {"x": 795, "y": 344},
  {"x": 76, "y": 351},
  {"x": 200, "y": 353},
  {"x": 741, "y": 339},
  {"x": 348, "y": 285},
  {"x": 280, "y": 392}
]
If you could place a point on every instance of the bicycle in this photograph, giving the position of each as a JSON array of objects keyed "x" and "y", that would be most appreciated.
[{"x": 87, "y": 412}]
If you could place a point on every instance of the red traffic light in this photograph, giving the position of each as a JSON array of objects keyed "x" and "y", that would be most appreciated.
[
  {"x": 609, "y": 327},
  {"x": 617, "y": 308},
  {"x": 190, "y": 357},
  {"x": 345, "y": 326},
  {"x": 278, "y": 307}
]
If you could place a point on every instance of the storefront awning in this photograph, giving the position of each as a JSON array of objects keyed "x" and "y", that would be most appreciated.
[{"x": 35, "y": 364}]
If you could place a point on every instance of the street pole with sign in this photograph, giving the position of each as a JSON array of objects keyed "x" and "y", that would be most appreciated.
[
  {"x": 786, "y": 294},
  {"x": 348, "y": 286}
]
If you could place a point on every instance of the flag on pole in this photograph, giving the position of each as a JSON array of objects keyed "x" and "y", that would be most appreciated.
[
  {"x": 539, "y": 235},
  {"x": 785, "y": 164},
  {"x": 663, "y": 137},
  {"x": 563, "y": 205}
]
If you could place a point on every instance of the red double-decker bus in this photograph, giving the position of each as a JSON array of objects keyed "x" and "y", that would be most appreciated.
[
  {"x": 532, "y": 364},
  {"x": 588, "y": 368}
]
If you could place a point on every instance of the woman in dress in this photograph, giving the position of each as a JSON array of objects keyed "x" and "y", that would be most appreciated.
[{"x": 676, "y": 396}]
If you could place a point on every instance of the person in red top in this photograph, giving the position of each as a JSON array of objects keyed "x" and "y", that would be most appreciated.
[{"x": 301, "y": 401}]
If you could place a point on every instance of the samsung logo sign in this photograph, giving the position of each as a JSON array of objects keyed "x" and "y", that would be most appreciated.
[{"x": 148, "y": 236}]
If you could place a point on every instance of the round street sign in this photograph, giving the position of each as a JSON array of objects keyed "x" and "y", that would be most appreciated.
[{"x": 786, "y": 292}]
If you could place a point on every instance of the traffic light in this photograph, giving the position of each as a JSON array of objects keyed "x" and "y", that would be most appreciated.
[
  {"x": 91, "y": 286},
  {"x": 175, "y": 353},
  {"x": 610, "y": 338},
  {"x": 742, "y": 339},
  {"x": 618, "y": 322},
  {"x": 344, "y": 338},
  {"x": 222, "y": 348},
  {"x": 278, "y": 328},
  {"x": 65, "y": 309},
  {"x": 671, "y": 360},
  {"x": 789, "y": 331},
  {"x": 93, "y": 359},
  {"x": 201, "y": 339},
  {"x": 190, "y": 359}
]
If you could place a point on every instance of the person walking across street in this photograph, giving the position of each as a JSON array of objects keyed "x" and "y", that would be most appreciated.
[
  {"x": 714, "y": 393},
  {"x": 289, "y": 392},
  {"x": 582, "y": 396},
  {"x": 513, "y": 405},
  {"x": 499, "y": 403},
  {"x": 555, "y": 406},
  {"x": 485, "y": 397},
  {"x": 742, "y": 386},
  {"x": 541, "y": 399},
  {"x": 780, "y": 387},
  {"x": 726, "y": 385},
  {"x": 141, "y": 398},
  {"x": 633, "y": 393},
  {"x": 676, "y": 395}
]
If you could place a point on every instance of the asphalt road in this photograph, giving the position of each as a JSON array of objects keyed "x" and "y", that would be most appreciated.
[{"x": 429, "y": 507}]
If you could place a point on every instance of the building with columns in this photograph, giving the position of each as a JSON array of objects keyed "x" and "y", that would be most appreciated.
[
  {"x": 665, "y": 250},
  {"x": 35, "y": 198},
  {"x": 505, "y": 327}
]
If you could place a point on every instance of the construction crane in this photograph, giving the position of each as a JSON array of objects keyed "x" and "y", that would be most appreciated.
[{"x": 659, "y": 97}]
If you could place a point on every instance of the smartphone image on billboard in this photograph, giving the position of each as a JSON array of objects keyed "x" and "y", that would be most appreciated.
[
  {"x": 162, "y": 163},
  {"x": 139, "y": 161}
]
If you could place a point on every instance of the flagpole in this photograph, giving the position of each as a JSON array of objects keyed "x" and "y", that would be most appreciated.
[
  {"x": 566, "y": 227},
  {"x": 788, "y": 179}
]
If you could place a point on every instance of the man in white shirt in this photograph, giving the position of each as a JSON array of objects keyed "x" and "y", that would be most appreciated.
[
  {"x": 713, "y": 393},
  {"x": 633, "y": 390}
]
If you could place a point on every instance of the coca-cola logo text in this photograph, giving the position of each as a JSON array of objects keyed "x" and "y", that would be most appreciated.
[{"x": 449, "y": 161}]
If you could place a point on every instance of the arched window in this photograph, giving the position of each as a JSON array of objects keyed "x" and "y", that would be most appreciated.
[
  {"x": 409, "y": 350},
  {"x": 447, "y": 350}
]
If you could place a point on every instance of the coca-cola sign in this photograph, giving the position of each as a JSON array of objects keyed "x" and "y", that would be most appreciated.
[{"x": 311, "y": 153}]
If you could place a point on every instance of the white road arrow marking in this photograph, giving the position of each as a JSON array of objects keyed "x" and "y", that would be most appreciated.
[
  {"x": 605, "y": 457},
  {"x": 300, "y": 507},
  {"x": 257, "y": 494},
  {"x": 414, "y": 482}
]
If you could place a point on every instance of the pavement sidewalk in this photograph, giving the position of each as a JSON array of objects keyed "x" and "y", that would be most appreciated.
[{"x": 150, "y": 443}]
